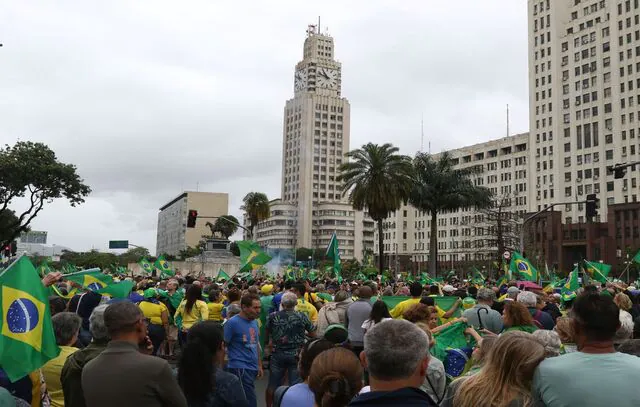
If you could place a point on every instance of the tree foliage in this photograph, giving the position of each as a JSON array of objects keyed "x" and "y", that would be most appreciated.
[
  {"x": 379, "y": 180},
  {"x": 31, "y": 170},
  {"x": 190, "y": 252},
  {"x": 7, "y": 219},
  {"x": 256, "y": 207},
  {"x": 439, "y": 186},
  {"x": 225, "y": 226}
]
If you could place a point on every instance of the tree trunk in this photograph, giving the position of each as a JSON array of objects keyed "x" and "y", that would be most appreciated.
[
  {"x": 433, "y": 245},
  {"x": 380, "y": 246}
]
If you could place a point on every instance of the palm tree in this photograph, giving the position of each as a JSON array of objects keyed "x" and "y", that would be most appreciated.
[
  {"x": 256, "y": 208},
  {"x": 378, "y": 179},
  {"x": 439, "y": 187},
  {"x": 226, "y": 225}
]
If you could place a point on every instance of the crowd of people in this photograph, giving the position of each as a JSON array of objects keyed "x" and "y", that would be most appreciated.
[{"x": 198, "y": 343}]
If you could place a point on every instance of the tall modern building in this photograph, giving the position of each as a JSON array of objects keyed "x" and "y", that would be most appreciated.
[
  {"x": 173, "y": 234},
  {"x": 315, "y": 138},
  {"x": 467, "y": 235},
  {"x": 584, "y": 97}
]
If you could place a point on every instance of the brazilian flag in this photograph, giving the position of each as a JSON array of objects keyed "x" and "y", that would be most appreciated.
[
  {"x": 146, "y": 266},
  {"x": 27, "y": 340},
  {"x": 164, "y": 268},
  {"x": 92, "y": 279},
  {"x": 522, "y": 268}
]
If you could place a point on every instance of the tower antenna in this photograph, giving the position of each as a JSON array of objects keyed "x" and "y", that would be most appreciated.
[
  {"x": 319, "y": 32},
  {"x": 508, "y": 132},
  {"x": 422, "y": 133}
]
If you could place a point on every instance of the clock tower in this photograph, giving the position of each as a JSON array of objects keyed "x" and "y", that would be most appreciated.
[{"x": 315, "y": 136}]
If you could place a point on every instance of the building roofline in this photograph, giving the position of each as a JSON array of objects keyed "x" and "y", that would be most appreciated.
[{"x": 176, "y": 199}]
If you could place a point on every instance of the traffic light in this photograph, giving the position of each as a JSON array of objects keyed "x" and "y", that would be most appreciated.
[
  {"x": 592, "y": 206},
  {"x": 191, "y": 218}
]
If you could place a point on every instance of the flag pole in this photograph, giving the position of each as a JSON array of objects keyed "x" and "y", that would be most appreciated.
[
  {"x": 82, "y": 271},
  {"x": 624, "y": 271}
]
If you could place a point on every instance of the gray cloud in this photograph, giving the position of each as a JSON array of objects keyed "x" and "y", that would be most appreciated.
[{"x": 152, "y": 98}]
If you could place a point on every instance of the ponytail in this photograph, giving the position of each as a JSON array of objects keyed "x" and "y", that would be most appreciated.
[
  {"x": 196, "y": 367},
  {"x": 336, "y": 391}
]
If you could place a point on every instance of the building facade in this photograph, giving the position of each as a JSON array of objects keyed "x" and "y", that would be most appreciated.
[
  {"x": 173, "y": 234},
  {"x": 464, "y": 236},
  {"x": 584, "y": 98},
  {"x": 315, "y": 137}
]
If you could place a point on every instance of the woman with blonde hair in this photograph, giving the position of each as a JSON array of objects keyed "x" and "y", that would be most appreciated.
[
  {"x": 335, "y": 378},
  {"x": 505, "y": 380},
  {"x": 565, "y": 330},
  {"x": 625, "y": 331}
]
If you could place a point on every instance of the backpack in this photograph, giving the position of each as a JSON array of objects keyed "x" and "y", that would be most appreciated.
[
  {"x": 278, "y": 395},
  {"x": 537, "y": 323}
]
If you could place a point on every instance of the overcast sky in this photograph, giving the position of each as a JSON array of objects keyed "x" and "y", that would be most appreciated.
[{"x": 152, "y": 98}]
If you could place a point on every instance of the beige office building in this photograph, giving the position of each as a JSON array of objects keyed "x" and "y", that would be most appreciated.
[
  {"x": 315, "y": 138},
  {"x": 584, "y": 97},
  {"x": 467, "y": 235},
  {"x": 173, "y": 234}
]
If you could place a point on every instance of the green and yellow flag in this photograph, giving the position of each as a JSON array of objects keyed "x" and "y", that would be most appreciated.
[
  {"x": 597, "y": 271},
  {"x": 502, "y": 281},
  {"x": 289, "y": 274},
  {"x": 636, "y": 258},
  {"x": 27, "y": 340},
  {"x": 522, "y": 268},
  {"x": 164, "y": 268},
  {"x": 570, "y": 287},
  {"x": 44, "y": 269},
  {"x": 252, "y": 256},
  {"x": 222, "y": 275},
  {"x": 92, "y": 279},
  {"x": 146, "y": 266},
  {"x": 117, "y": 290},
  {"x": 333, "y": 253}
]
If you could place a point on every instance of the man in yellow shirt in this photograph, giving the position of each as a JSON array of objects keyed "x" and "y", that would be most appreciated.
[
  {"x": 416, "y": 294},
  {"x": 66, "y": 326},
  {"x": 305, "y": 306}
]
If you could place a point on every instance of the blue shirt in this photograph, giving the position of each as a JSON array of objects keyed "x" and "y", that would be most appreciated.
[
  {"x": 276, "y": 300},
  {"x": 242, "y": 338},
  {"x": 298, "y": 395}
]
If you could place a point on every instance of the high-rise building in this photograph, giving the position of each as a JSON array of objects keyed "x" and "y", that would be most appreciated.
[
  {"x": 173, "y": 234},
  {"x": 315, "y": 138},
  {"x": 584, "y": 98},
  {"x": 466, "y": 235}
]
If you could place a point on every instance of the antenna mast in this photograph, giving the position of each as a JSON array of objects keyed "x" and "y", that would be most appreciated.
[
  {"x": 422, "y": 133},
  {"x": 319, "y": 32},
  {"x": 508, "y": 132}
]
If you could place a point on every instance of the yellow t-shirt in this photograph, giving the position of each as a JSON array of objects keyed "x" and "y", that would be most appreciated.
[
  {"x": 153, "y": 311},
  {"x": 199, "y": 312},
  {"x": 52, "y": 370},
  {"x": 399, "y": 309},
  {"x": 215, "y": 311},
  {"x": 308, "y": 309}
]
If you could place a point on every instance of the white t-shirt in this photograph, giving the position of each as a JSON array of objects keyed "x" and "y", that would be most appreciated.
[{"x": 368, "y": 324}]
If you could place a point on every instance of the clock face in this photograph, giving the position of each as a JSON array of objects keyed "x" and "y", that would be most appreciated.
[
  {"x": 300, "y": 81},
  {"x": 327, "y": 78}
]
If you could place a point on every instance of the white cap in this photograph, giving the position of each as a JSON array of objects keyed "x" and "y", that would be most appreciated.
[
  {"x": 448, "y": 288},
  {"x": 631, "y": 288}
]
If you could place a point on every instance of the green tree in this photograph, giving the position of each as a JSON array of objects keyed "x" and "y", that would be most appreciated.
[
  {"x": 190, "y": 252},
  {"x": 225, "y": 225},
  {"x": 379, "y": 180},
  {"x": 256, "y": 207},
  {"x": 439, "y": 186},
  {"x": 133, "y": 255},
  {"x": 7, "y": 219},
  {"x": 32, "y": 171},
  {"x": 233, "y": 247}
]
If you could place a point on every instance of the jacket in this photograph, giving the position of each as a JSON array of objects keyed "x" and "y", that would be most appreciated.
[
  {"x": 332, "y": 313},
  {"x": 408, "y": 396},
  {"x": 71, "y": 375},
  {"x": 122, "y": 376}
]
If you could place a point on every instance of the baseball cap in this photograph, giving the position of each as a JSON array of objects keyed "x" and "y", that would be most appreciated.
[{"x": 267, "y": 289}]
